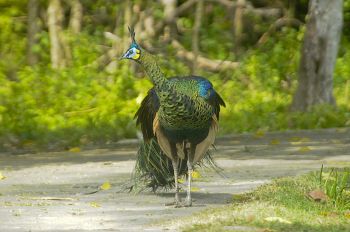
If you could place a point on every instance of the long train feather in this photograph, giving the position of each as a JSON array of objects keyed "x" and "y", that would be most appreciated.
[{"x": 153, "y": 169}]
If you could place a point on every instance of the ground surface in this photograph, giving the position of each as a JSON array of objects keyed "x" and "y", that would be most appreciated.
[{"x": 54, "y": 191}]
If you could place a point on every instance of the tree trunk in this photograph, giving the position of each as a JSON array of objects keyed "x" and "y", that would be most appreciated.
[
  {"x": 170, "y": 18},
  {"x": 149, "y": 24},
  {"x": 319, "y": 52},
  {"x": 291, "y": 9},
  {"x": 238, "y": 26},
  {"x": 127, "y": 23},
  {"x": 32, "y": 31},
  {"x": 55, "y": 17},
  {"x": 195, "y": 34},
  {"x": 76, "y": 16}
]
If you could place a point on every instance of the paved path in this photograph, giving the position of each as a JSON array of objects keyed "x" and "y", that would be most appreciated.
[{"x": 48, "y": 191}]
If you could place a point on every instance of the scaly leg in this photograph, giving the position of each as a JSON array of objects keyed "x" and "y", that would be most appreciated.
[
  {"x": 177, "y": 202},
  {"x": 177, "y": 197},
  {"x": 189, "y": 180},
  {"x": 190, "y": 157}
]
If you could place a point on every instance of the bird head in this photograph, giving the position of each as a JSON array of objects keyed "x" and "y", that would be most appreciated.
[{"x": 134, "y": 51}]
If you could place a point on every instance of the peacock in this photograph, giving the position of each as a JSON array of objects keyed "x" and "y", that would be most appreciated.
[{"x": 178, "y": 118}]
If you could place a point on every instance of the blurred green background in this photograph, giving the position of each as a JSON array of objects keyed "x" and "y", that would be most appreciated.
[{"x": 91, "y": 99}]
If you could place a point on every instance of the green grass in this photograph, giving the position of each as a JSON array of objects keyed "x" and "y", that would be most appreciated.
[
  {"x": 285, "y": 199},
  {"x": 336, "y": 185}
]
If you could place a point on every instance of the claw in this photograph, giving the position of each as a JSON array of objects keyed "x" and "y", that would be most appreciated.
[
  {"x": 188, "y": 202},
  {"x": 176, "y": 204}
]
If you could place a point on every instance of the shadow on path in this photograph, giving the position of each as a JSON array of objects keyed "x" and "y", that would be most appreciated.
[{"x": 47, "y": 191}]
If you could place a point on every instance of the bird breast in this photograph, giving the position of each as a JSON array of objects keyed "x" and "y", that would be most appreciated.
[{"x": 185, "y": 113}]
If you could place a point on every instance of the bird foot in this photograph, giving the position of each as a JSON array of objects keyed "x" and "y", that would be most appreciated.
[
  {"x": 176, "y": 204},
  {"x": 188, "y": 202},
  {"x": 177, "y": 201}
]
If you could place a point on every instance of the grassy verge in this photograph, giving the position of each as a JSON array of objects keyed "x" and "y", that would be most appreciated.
[{"x": 284, "y": 205}]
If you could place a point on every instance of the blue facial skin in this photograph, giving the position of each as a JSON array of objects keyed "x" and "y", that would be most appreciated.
[
  {"x": 205, "y": 89},
  {"x": 130, "y": 51}
]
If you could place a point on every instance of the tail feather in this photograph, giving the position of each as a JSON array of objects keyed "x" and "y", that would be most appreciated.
[{"x": 153, "y": 169}]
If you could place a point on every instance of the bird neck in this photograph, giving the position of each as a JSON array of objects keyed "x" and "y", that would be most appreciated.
[{"x": 151, "y": 67}]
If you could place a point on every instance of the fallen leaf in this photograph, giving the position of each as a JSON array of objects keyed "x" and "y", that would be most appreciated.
[
  {"x": 105, "y": 186},
  {"x": 196, "y": 175},
  {"x": 336, "y": 141},
  {"x": 318, "y": 195},
  {"x": 298, "y": 140},
  {"x": 305, "y": 139},
  {"x": 294, "y": 139},
  {"x": 323, "y": 213},
  {"x": 250, "y": 218},
  {"x": 347, "y": 214},
  {"x": 277, "y": 219},
  {"x": 2, "y": 177},
  {"x": 195, "y": 189},
  {"x": 259, "y": 134},
  {"x": 341, "y": 130},
  {"x": 304, "y": 149},
  {"x": 329, "y": 214},
  {"x": 274, "y": 142},
  {"x": 95, "y": 204},
  {"x": 75, "y": 149}
]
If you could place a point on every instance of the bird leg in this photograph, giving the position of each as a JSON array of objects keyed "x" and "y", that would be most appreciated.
[
  {"x": 175, "y": 166},
  {"x": 190, "y": 157},
  {"x": 175, "y": 163},
  {"x": 188, "y": 201}
]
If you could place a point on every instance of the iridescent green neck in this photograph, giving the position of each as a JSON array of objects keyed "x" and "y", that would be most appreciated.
[{"x": 153, "y": 70}]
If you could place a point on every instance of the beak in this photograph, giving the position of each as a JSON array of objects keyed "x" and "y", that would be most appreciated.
[{"x": 123, "y": 57}]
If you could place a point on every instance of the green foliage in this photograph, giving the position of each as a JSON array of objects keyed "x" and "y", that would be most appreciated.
[
  {"x": 260, "y": 92},
  {"x": 346, "y": 16},
  {"x": 45, "y": 105},
  {"x": 336, "y": 184},
  {"x": 83, "y": 104}
]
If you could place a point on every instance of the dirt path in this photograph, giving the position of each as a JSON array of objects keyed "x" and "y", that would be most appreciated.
[{"x": 48, "y": 191}]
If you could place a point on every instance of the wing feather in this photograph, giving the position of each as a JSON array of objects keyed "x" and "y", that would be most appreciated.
[
  {"x": 216, "y": 101},
  {"x": 203, "y": 146},
  {"x": 146, "y": 113},
  {"x": 150, "y": 106}
]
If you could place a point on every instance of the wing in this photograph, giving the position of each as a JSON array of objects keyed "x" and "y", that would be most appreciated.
[
  {"x": 207, "y": 91},
  {"x": 146, "y": 113},
  {"x": 216, "y": 101},
  {"x": 150, "y": 105}
]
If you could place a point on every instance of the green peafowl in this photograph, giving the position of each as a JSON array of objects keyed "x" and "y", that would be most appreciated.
[{"x": 178, "y": 117}]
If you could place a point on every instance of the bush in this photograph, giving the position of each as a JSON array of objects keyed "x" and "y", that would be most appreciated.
[{"x": 82, "y": 104}]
